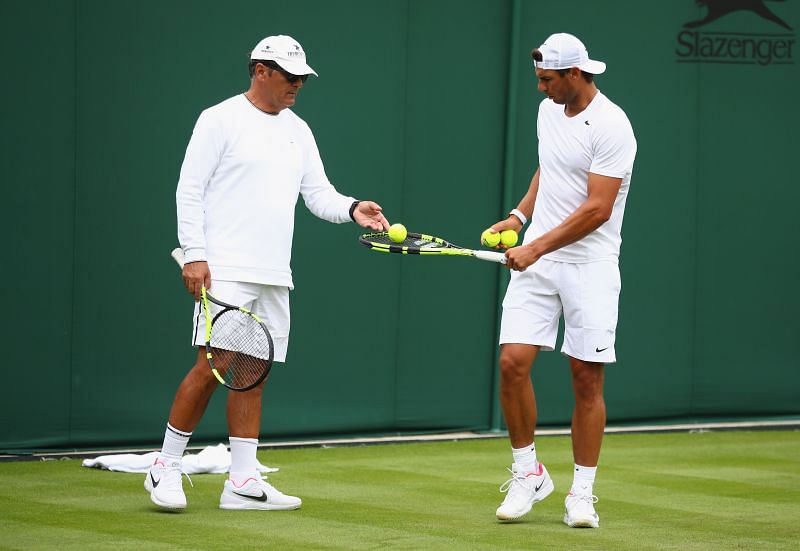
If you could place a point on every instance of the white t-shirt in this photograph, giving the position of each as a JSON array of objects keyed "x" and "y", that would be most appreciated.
[
  {"x": 238, "y": 187},
  {"x": 599, "y": 140}
]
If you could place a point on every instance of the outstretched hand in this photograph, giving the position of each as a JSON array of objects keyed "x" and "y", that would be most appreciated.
[{"x": 369, "y": 214}]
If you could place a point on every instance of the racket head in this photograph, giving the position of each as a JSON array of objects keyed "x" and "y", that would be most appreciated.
[
  {"x": 423, "y": 244},
  {"x": 239, "y": 348},
  {"x": 414, "y": 243}
]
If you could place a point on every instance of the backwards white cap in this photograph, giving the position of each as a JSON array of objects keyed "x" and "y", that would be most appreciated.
[{"x": 562, "y": 51}]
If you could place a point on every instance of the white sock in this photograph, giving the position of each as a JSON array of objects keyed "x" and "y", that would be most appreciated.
[
  {"x": 583, "y": 480},
  {"x": 175, "y": 442},
  {"x": 244, "y": 464},
  {"x": 525, "y": 459}
]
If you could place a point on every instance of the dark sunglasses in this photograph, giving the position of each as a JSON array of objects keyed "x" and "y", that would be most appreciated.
[{"x": 287, "y": 75}]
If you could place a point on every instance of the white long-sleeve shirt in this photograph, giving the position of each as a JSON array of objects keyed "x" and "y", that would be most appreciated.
[{"x": 238, "y": 187}]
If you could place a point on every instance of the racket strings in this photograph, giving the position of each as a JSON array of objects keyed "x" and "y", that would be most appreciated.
[
  {"x": 412, "y": 240},
  {"x": 240, "y": 349}
]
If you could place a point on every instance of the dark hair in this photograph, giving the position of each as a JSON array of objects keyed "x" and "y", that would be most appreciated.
[
  {"x": 536, "y": 55},
  {"x": 251, "y": 66}
]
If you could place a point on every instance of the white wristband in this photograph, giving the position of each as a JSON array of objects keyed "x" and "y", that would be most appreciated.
[{"x": 518, "y": 214}]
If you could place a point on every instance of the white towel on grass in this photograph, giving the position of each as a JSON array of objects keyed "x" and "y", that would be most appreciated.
[{"x": 211, "y": 459}]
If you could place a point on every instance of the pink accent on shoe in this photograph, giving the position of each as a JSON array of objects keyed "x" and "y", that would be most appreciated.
[
  {"x": 243, "y": 483},
  {"x": 541, "y": 470}
]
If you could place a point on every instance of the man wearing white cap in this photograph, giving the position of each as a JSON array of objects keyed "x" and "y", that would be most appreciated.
[
  {"x": 248, "y": 160},
  {"x": 567, "y": 264}
]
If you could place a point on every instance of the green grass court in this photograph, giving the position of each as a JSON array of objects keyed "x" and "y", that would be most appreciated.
[{"x": 704, "y": 491}]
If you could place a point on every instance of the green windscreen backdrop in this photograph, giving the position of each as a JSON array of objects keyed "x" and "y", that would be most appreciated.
[{"x": 428, "y": 107}]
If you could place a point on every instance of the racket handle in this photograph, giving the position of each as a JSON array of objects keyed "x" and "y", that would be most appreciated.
[
  {"x": 491, "y": 256},
  {"x": 177, "y": 254}
]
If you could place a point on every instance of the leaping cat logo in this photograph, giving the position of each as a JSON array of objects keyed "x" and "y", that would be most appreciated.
[{"x": 718, "y": 8}]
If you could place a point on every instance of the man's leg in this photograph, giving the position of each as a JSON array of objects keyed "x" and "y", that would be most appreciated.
[
  {"x": 244, "y": 426},
  {"x": 245, "y": 489},
  {"x": 193, "y": 395},
  {"x": 588, "y": 424},
  {"x": 516, "y": 392},
  {"x": 589, "y": 415},
  {"x": 163, "y": 481},
  {"x": 244, "y": 412},
  {"x": 529, "y": 482}
]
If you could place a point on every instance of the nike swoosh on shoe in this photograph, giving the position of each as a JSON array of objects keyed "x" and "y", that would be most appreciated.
[{"x": 262, "y": 497}]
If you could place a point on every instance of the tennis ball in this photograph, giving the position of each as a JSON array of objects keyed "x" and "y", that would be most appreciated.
[
  {"x": 397, "y": 233},
  {"x": 490, "y": 238},
  {"x": 508, "y": 238}
]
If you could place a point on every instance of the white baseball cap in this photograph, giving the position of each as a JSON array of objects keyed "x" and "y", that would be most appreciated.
[
  {"x": 285, "y": 51},
  {"x": 562, "y": 51}
]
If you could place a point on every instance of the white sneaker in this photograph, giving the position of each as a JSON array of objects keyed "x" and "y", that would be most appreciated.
[
  {"x": 164, "y": 483},
  {"x": 580, "y": 511},
  {"x": 524, "y": 489},
  {"x": 256, "y": 493}
]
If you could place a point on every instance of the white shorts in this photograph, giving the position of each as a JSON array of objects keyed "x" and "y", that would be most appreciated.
[
  {"x": 268, "y": 302},
  {"x": 588, "y": 295}
]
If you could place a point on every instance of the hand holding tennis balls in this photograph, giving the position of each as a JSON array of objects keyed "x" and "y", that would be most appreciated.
[
  {"x": 508, "y": 238},
  {"x": 397, "y": 233},
  {"x": 490, "y": 238}
]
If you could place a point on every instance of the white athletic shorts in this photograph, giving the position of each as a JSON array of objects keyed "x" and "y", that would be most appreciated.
[
  {"x": 588, "y": 295},
  {"x": 268, "y": 302}
]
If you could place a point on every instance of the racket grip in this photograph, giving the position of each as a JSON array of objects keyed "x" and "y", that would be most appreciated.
[
  {"x": 491, "y": 256},
  {"x": 177, "y": 254}
]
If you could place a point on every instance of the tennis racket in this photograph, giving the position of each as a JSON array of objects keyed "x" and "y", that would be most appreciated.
[
  {"x": 238, "y": 345},
  {"x": 419, "y": 243}
]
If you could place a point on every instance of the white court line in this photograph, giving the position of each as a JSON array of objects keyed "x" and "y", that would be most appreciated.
[
  {"x": 440, "y": 437},
  {"x": 683, "y": 427}
]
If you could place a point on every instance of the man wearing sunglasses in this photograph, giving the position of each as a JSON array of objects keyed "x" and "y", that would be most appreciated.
[
  {"x": 248, "y": 160},
  {"x": 274, "y": 88}
]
